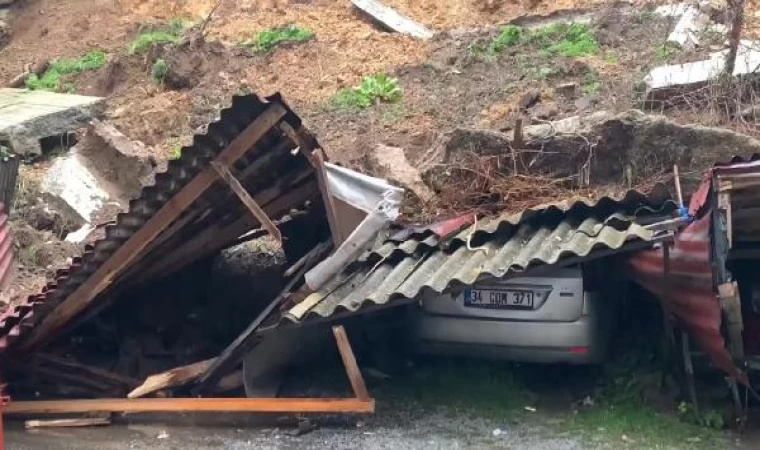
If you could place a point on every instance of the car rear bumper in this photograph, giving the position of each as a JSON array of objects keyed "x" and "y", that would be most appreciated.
[{"x": 542, "y": 342}]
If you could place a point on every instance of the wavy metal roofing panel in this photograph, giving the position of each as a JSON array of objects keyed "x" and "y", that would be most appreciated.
[
  {"x": 498, "y": 247},
  {"x": 277, "y": 176}
]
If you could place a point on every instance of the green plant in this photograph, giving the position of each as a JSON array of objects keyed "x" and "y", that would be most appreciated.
[
  {"x": 176, "y": 151},
  {"x": 159, "y": 70},
  {"x": 51, "y": 79},
  {"x": 269, "y": 39},
  {"x": 374, "y": 89},
  {"x": 508, "y": 36},
  {"x": 146, "y": 41},
  {"x": 178, "y": 25},
  {"x": 710, "y": 419},
  {"x": 665, "y": 52},
  {"x": 591, "y": 84}
]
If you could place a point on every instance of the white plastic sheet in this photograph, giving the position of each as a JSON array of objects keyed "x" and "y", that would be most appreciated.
[{"x": 378, "y": 204}]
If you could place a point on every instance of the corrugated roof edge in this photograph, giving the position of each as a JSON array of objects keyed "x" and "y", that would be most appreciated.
[{"x": 24, "y": 316}]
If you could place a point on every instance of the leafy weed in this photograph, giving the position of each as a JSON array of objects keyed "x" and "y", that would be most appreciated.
[
  {"x": 665, "y": 52},
  {"x": 51, "y": 79},
  {"x": 159, "y": 70},
  {"x": 269, "y": 39},
  {"x": 374, "y": 89}
]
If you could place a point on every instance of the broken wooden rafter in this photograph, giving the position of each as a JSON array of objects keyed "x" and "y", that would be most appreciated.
[
  {"x": 242, "y": 344},
  {"x": 318, "y": 158},
  {"x": 68, "y": 423},
  {"x": 171, "y": 378},
  {"x": 248, "y": 201},
  {"x": 135, "y": 405},
  {"x": 126, "y": 253}
]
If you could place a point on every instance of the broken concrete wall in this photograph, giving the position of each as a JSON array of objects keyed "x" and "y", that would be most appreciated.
[{"x": 26, "y": 117}]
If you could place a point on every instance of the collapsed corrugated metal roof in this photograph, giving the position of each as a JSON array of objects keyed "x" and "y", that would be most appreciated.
[
  {"x": 187, "y": 214},
  {"x": 407, "y": 264}
]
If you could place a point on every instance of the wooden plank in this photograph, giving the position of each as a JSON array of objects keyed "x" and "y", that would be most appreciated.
[
  {"x": 215, "y": 238},
  {"x": 391, "y": 19},
  {"x": 124, "y": 255},
  {"x": 230, "y": 382},
  {"x": 248, "y": 201},
  {"x": 178, "y": 376},
  {"x": 242, "y": 344},
  {"x": 92, "y": 372},
  {"x": 68, "y": 423},
  {"x": 349, "y": 360},
  {"x": 135, "y": 405},
  {"x": 318, "y": 157}
]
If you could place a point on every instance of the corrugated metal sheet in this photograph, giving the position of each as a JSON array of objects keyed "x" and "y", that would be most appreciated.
[
  {"x": 6, "y": 249},
  {"x": 9, "y": 165},
  {"x": 278, "y": 178},
  {"x": 687, "y": 291},
  {"x": 403, "y": 269}
]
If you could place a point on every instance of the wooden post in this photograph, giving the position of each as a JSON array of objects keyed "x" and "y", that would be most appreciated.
[
  {"x": 332, "y": 219},
  {"x": 352, "y": 369},
  {"x": 248, "y": 201},
  {"x": 126, "y": 253}
]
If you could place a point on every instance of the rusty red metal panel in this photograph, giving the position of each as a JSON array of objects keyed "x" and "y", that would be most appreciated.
[{"x": 687, "y": 292}]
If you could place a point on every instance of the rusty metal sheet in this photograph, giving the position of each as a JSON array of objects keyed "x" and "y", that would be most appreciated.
[{"x": 271, "y": 169}]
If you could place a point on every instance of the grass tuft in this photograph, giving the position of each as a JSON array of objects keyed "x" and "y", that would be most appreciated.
[
  {"x": 269, "y": 39},
  {"x": 374, "y": 89},
  {"x": 51, "y": 79},
  {"x": 159, "y": 70},
  {"x": 561, "y": 39},
  {"x": 146, "y": 41}
]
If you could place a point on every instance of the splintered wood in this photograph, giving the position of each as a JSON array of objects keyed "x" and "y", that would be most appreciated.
[{"x": 171, "y": 378}]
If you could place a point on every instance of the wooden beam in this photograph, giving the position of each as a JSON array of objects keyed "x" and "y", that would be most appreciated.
[
  {"x": 242, "y": 344},
  {"x": 178, "y": 376},
  {"x": 318, "y": 157},
  {"x": 92, "y": 372},
  {"x": 352, "y": 369},
  {"x": 68, "y": 423},
  {"x": 391, "y": 19},
  {"x": 248, "y": 201},
  {"x": 125, "y": 254},
  {"x": 135, "y": 405}
]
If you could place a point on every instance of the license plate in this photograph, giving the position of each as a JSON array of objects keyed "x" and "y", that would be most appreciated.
[{"x": 499, "y": 298}]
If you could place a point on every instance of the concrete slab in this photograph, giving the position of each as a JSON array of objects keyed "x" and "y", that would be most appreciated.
[
  {"x": 672, "y": 9},
  {"x": 661, "y": 81},
  {"x": 686, "y": 32},
  {"x": 28, "y": 116}
]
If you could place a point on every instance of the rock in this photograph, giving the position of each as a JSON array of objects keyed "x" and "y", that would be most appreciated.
[
  {"x": 28, "y": 116},
  {"x": 546, "y": 111},
  {"x": 127, "y": 163},
  {"x": 396, "y": 168},
  {"x": 583, "y": 103},
  {"x": 70, "y": 182},
  {"x": 650, "y": 144},
  {"x": 457, "y": 148},
  {"x": 528, "y": 99},
  {"x": 568, "y": 90}
]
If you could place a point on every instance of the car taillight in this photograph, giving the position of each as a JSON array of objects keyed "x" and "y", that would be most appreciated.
[{"x": 579, "y": 350}]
